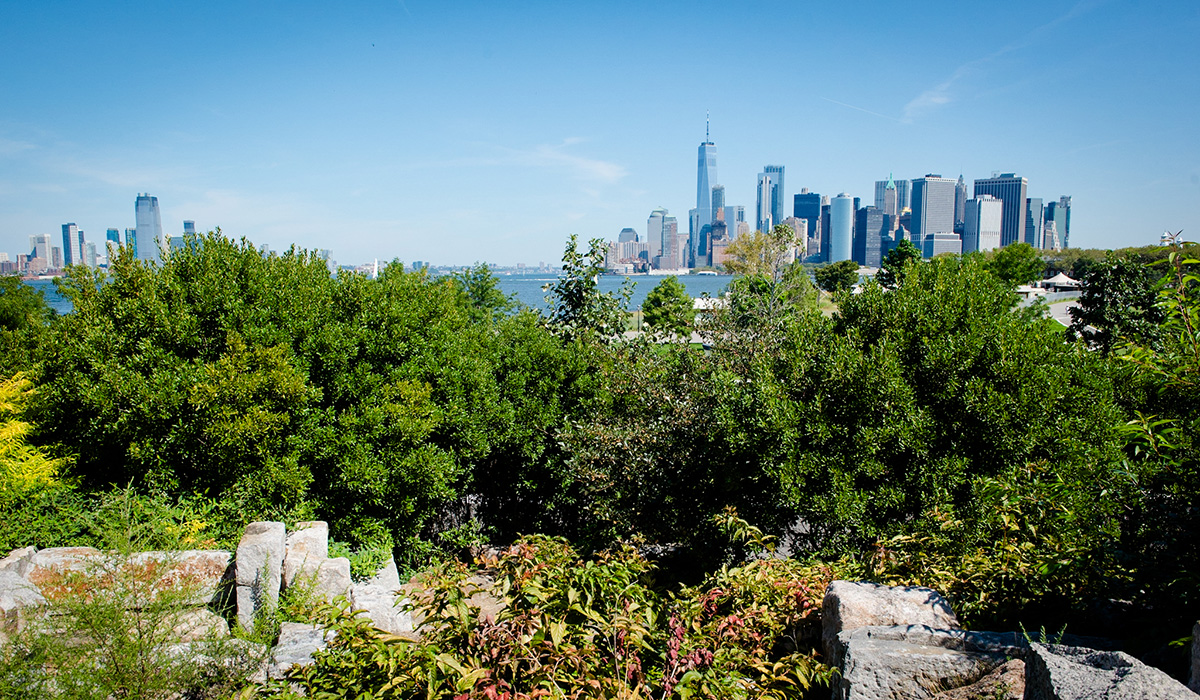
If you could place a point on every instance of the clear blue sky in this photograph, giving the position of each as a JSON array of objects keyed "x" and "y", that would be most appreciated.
[{"x": 453, "y": 132}]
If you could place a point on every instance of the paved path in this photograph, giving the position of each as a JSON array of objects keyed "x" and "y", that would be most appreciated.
[{"x": 1059, "y": 311}]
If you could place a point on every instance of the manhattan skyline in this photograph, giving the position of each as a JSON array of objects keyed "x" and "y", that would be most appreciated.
[{"x": 452, "y": 134}]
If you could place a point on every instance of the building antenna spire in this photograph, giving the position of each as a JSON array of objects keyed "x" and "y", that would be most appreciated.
[{"x": 706, "y": 136}]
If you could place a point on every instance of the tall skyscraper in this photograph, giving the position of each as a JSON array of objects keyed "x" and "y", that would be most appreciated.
[
  {"x": 871, "y": 229},
  {"x": 718, "y": 202},
  {"x": 886, "y": 199},
  {"x": 654, "y": 232},
  {"x": 807, "y": 206},
  {"x": 627, "y": 235},
  {"x": 89, "y": 253},
  {"x": 39, "y": 247},
  {"x": 984, "y": 220},
  {"x": 770, "y": 198},
  {"x": 1010, "y": 189},
  {"x": 734, "y": 214},
  {"x": 841, "y": 225},
  {"x": 1060, "y": 213},
  {"x": 131, "y": 240},
  {"x": 932, "y": 207},
  {"x": 189, "y": 228},
  {"x": 960, "y": 204},
  {"x": 1033, "y": 221},
  {"x": 706, "y": 177},
  {"x": 903, "y": 195},
  {"x": 149, "y": 228},
  {"x": 72, "y": 245}
]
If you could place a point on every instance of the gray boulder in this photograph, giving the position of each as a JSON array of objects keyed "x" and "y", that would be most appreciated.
[
  {"x": 1194, "y": 676},
  {"x": 307, "y": 546},
  {"x": 18, "y": 561},
  {"x": 259, "y": 569},
  {"x": 18, "y": 601},
  {"x": 383, "y": 608},
  {"x": 47, "y": 567},
  {"x": 1055, "y": 672},
  {"x": 195, "y": 624},
  {"x": 849, "y": 605},
  {"x": 203, "y": 574},
  {"x": 1005, "y": 683},
  {"x": 388, "y": 577},
  {"x": 916, "y": 661},
  {"x": 332, "y": 579},
  {"x": 298, "y": 642}
]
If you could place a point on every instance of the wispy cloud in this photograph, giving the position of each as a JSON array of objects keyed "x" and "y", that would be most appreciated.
[
  {"x": 944, "y": 92},
  {"x": 579, "y": 167},
  {"x": 843, "y": 104}
]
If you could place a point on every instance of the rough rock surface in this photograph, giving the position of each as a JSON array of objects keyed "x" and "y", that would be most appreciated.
[
  {"x": 246, "y": 657},
  {"x": 259, "y": 569},
  {"x": 332, "y": 579},
  {"x": 298, "y": 642},
  {"x": 916, "y": 661},
  {"x": 306, "y": 548},
  {"x": 383, "y": 608},
  {"x": 200, "y": 572},
  {"x": 47, "y": 566},
  {"x": 18, "y": 598},
  {"x": 388, "y": 577},
  {"x": 1054, "y": 672},
  {"x": 849, "y": 605},
  {"x": 1194, "y": 677},
  {"x": 18, "y": 561},
  {"x": 1005, "y": 683},
  {"x": 200, "y": 623}
]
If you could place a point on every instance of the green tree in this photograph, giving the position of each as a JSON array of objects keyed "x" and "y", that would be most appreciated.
[
  {"x": 837, "y": 277},
  {"x": 1017, "y": 264},
  {"x": 24, "y": 316},
  {"x": 1118, "y": 300},
  {"x": 482, "y": 289},
  {"x": 891, "y": 272},
  {"x": 577, "y": 306},
  {"x": 762, "y": 254},
  {"x": 668, "y": 308}
]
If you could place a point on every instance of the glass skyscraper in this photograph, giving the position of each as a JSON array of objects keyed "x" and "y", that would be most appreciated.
[
  {"x": 932, "y": 206},
  {"x": 841, "y": 225},
  {"x": 72, "y": 245},
  {"x": 706, "y": 177},
  {"x": 149, "y": 228}
]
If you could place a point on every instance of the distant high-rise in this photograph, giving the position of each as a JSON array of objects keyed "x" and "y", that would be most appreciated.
[
  {"x": 1060, "y": 213},
  {"x": 841, "y": 228},
  {"x": 654, "y": 232},
  {"x": 932, "y": 206},
  {"x": 984, "y": 219},
  {"x": 131, "y": 240},
  {"x": 113, "y": 235},
  {"x": 770, "y": 197},
  {"x": 39, "y": 247},
  {"x": 903, "y": 195},
  {"x": 718, "y": 202},
  {"x": 706, "y": 177},
  {"x": 627, "y": 235},
  {"x": 734, "y": 214},
  {"x": 72, "y": 244},
  {"x": 189, "y": 228},
  {"x": 807, "y": 206},
  {"x": 1033, "y": 221},
  {"x": 1010, "y": 189},
  {"x": 89, "y": 253},
  {"x": 886, "y": 197},
  {"x": 960, "y": 204},
  {"x": 56, "y": 258},
  {"x": 149, "y": 228},
  {"x": 871, "y": 229}
]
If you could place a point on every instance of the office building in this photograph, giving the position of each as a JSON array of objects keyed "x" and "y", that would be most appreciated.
[
  {"x": 39, "y": 247},
  {"x": 1011, "y": 190},
  {"x": 799, "y": 229},
  {"x": 701, "y": 218},
  {"x": 1060, "y": 213},
  {"x": 718, "y": 202},
  {"x": 984, "y": 219},
  {"x": 56, "y": 258},
  {"x": 841, "y": 228},
  {"x": 903, "y": 195},
  {"x": 72, "y": 244},
  {"x": 770, "y": 198},
  {"x": 886, "y": 196},
  {"x": 872, "y": 231},
  {"x": 960, "y": 204},
  {"x": 735, "y": 216},
  {"x": 148, "y": 231},
  {"x": 89, "y": 253},
  {"x": 1050, "y": 240},
  {"x": 189, "y": 228},
  {"x": 932, "y": 206},
  {"x": 1033, "y": 221},
  {"x": 938, "y": 243},
  {"x": 627, "y": 235},
  {"x": 131, "y": 241},
  {"x": 654, "y": 232}
]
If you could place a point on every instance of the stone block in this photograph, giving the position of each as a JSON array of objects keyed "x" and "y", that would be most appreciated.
[
  {"x": 909, "y": 662},
  {"x": 259, "y": 569},
  {"x": 388, "y": 577},
  {"x": 849, "y": 605},
  {"x": 18, "y": 561},
  {"x": 204, "y": 574},
  {"x": 199, "y": 623},
  {"x": 333, "y": 579},
  {"x": 383, "y": 608},
  {"x": 1056, "y": 672},
  {"x": 19, "y": 599},
  {"x": 1004, "y": 683},
  {"x": 307, "y": 546},
  {"x": 47, "y": 566},
  {"x": 297, "y": 645}
]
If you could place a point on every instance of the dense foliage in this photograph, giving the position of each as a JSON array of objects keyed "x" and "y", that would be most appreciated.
[{"x": 929, "y": 429}]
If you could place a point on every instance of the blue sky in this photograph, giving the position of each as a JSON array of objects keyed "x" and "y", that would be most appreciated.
[{"x": 457, "y": 131}]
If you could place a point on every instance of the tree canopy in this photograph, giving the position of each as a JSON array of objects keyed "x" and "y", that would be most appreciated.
[{"x": 668, "y": 307}]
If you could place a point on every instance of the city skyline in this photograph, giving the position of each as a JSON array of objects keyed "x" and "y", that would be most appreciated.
[{"x": 454, "y": 134}]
